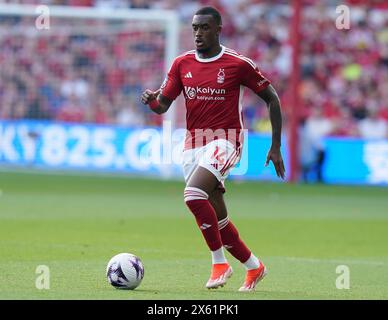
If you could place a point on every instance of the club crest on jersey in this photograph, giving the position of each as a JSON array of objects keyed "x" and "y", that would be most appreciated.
[{"x": 221, "y": 76}]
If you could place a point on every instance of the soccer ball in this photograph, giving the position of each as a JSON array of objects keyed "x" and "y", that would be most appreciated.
[{"x": 125, "y": 271}]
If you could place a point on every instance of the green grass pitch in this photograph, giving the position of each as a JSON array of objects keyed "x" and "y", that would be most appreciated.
[{"x": 75, "y": 224}]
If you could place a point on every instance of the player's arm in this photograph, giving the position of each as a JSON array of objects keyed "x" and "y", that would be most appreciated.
[
  {"x": 272, "y": 100},
  {"x": 161, "y": 100},
  {"x": 252, "y": 78},
  {"x": 157, "y": 102}
]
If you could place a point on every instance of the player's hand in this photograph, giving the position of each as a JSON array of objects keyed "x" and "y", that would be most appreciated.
[
  {"x": 275, "y": 156},
  {"x": 149, "y": 95}
]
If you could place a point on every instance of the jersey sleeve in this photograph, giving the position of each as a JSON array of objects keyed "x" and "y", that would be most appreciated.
[
  {"x": 251, "y": 76},
  {"x": 172, "y": 84}
]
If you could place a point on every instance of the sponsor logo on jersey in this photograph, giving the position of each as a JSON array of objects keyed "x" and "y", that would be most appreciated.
[
  {"x": 221, "y": 76},
  {"x": 193, "y": 92}
]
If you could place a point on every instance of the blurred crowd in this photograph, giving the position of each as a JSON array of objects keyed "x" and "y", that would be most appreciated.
[
  {"x": 83, "y": 73},
  {"x": 97, "y": 75}
]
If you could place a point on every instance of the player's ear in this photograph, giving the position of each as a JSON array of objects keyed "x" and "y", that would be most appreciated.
[{"x": 219, "y": 29}]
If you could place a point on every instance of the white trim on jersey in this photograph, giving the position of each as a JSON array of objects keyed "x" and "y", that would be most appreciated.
[
  {"x": 239, "y": 55},
  {"x": 231, "y": 53},
  {"x": 186, "y": 53},
  {"x": 212, "y": 58},
  {"x": 182, "y": 55},
  {"x": 240, "y": 107}
]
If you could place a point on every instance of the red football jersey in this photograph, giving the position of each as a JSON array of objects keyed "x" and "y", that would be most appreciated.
[{"x": 213, "y": 90}]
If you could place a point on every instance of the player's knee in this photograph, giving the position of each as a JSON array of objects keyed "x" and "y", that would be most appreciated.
[{"x": 192, "y": 193}]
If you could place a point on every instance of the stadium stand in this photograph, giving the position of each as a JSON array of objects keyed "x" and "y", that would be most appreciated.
[{"x": 344, "y": 74}]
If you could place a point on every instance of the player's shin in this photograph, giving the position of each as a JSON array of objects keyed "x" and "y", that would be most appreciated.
[
  {"x": 198, "y": 203},
  {"x": 236, "y": 247}
]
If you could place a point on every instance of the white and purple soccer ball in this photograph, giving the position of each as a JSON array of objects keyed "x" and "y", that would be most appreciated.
[{"x": 125, "y": 271}]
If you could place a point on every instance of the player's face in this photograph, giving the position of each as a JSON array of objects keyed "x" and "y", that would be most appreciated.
[{"x": 206, "y": 32}]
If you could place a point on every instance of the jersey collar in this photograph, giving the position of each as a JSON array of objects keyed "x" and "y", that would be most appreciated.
[{"x": 212, "y": 58}]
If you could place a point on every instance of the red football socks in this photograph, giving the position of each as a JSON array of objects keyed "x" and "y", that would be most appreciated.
[
  {"x": 232, "y": 242},
  {"x": 207, "y": 222},
  {"x": 205, "y": 215}
]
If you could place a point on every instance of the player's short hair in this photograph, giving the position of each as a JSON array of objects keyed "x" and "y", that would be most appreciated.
[{"x": 211, "y": 12}]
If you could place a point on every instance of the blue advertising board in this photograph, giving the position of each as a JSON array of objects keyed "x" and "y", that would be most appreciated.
[
  {"x": 157, "y": 152},
  {"x": 356, "y": 161}
]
